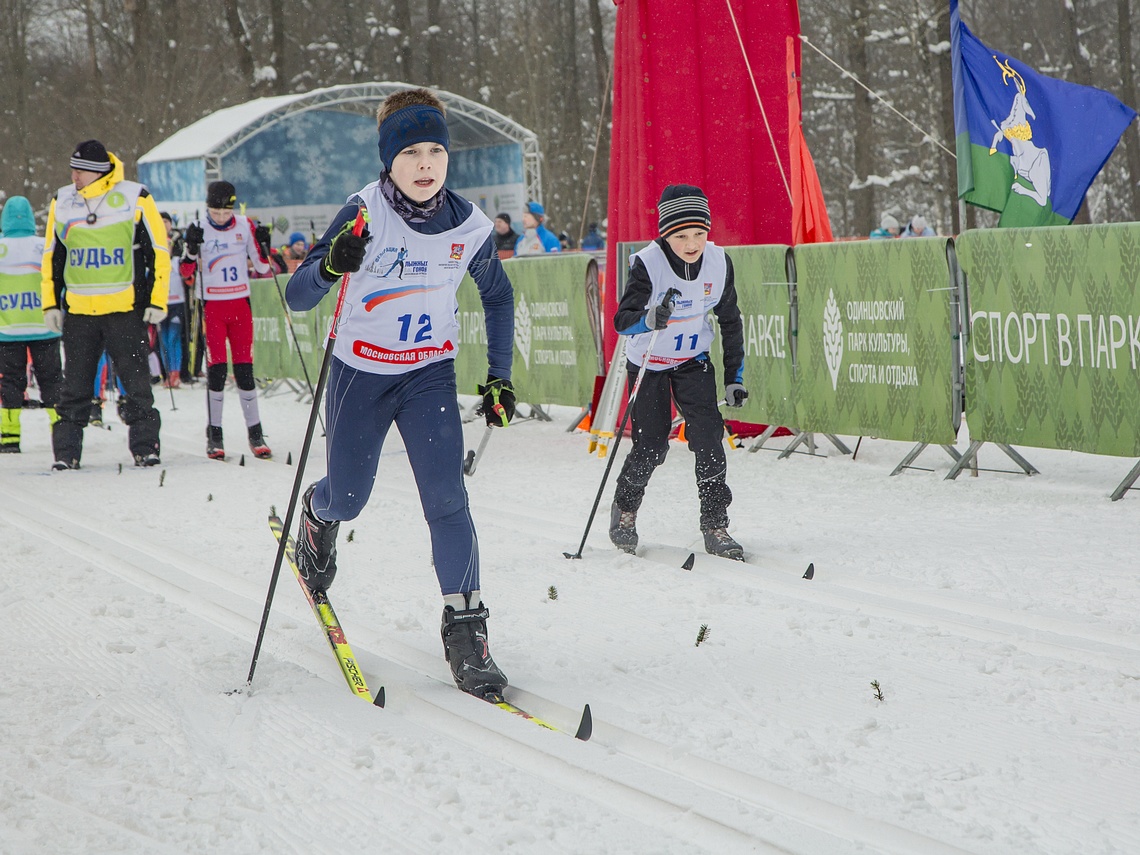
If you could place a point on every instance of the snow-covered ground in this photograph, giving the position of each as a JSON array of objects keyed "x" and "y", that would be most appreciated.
[{"x": 997, "y": 614}]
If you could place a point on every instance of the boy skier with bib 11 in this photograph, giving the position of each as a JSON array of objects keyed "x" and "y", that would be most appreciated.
[
  {"x": 393, "y": 362},
  {"x": 678, "y": 368}
]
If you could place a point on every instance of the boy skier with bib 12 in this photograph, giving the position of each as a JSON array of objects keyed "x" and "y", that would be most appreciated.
[
  {"x": 678, "y": 368},
  {"x": 393, "y": 362}
]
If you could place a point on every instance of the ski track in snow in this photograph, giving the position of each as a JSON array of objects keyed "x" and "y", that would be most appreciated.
[{"x": 1012, "y": 688}]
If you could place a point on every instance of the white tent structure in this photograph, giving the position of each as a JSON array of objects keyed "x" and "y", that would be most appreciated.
[{"x": 295, "y": 158}]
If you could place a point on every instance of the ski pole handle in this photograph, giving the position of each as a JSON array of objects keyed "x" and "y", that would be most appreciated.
[{"x": 357, "y": 229}]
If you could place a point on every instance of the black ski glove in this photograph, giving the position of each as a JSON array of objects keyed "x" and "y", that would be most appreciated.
[
  {"x": 498, "y": 401},
  {"x": 193, "y": 237},
  {"x": 346, "y": 253},
  {"x": 263, "y": 237},
  {"x": 657, "y": 318},
  {"x": 735, "y": 395}
]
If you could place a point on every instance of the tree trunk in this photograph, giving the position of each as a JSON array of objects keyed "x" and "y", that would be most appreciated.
[
  {"x": 864, "y": 197},
  {"x": 1081, "y": 73},
  {"x": 280, "y": 83},
  {"x": 402, "y": 17},
  {"x": 243, "y": 50},
  {"x": 598, "y": 42},
  {"x": 946, "y": 84},
  {"x": 1128, "y": 96}
]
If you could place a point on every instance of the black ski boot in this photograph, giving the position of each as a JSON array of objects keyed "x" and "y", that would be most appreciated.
[
  {"x": 316, "y": 546},
  {"x": 720, "y": 543},
  {"x": 215, "y": 448},
  {"x": 151, "y": 458},
  {"x": 464, "y": 635},
  {"x": 623, "y": 528},
  {"x": 257, "y": 443}
]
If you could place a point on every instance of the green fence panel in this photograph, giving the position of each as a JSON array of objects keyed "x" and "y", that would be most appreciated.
[
  {"x": 555, "y": 355},
  {"x": 875, "y": 351},
  {"x": 760, "y": 274},
  {"x": 1055, "y": 337},
  {"x": 274, "y": 351}
]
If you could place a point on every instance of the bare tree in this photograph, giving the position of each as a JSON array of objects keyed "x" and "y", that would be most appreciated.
[{"x": 1128, "y": 95}]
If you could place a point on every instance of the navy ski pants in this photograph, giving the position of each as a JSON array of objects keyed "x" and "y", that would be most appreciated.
[{"x": 360, "y": 407}]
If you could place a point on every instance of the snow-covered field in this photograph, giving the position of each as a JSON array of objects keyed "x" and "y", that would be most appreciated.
[{"x": 997, "y": 614}]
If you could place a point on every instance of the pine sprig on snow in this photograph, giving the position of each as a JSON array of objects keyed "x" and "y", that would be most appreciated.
[
  {"x": 552, "y": 592},
  {"x": 703, "y": 634},
  {"x": 878, "y": 690}
]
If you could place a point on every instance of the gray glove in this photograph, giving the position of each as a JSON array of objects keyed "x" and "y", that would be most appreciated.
[
  {"x": 735, "y": 395},
  {"x": 53, "y": 320},
  {"x": 154, "y": 315},
  {"x": 657, "y": 318}
]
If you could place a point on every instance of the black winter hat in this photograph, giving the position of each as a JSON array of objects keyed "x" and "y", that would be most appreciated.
[
  {"x": 505, "y": 217},
  {"x": 220, "y": 194},
  {"x": 683, "y": 206},
  {"x": 91, "y": 156}
]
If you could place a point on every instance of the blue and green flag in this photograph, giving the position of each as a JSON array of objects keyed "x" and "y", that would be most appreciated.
[{"x": 1028, "y": 145}]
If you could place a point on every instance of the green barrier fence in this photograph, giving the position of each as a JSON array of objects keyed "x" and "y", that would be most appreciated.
[
  {"x": 555, "y": 357},
  {"x": 1055, "y": 337},
  {"x": 875, "y": 350},
  {"x": 274, "y": 353},
  {"x": 761, "y": 278}
]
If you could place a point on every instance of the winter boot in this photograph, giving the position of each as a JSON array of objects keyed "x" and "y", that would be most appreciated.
[
  {"x": 151, "y": 458},
  {"x": 257, "y": 443},
  {"x": 464, "y": 634},
  {"x": 316, "y": 546},
  {"x": 720, "y": 543},
  {"x": 9, "y": 430},
  {"x": 64, "y": 465},
  {"x": 96, "y": 415},
  {"x": 623, "y": 528},
  {"x": 215, "y": 450}
]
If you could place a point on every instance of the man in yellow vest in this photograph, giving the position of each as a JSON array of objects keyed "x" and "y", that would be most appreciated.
[
  {"x": 22, "y": 329},
  {"x": 106, "y": 272}
]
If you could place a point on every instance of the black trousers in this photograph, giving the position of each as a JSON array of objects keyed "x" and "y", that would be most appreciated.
[
  {"x": 123, "y": 335},
  {"x": 14, "y": 368},
  {"x": 692, "y": 385}
]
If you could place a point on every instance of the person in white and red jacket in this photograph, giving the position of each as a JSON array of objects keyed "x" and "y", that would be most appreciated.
[{"x": 219, "y": 250}]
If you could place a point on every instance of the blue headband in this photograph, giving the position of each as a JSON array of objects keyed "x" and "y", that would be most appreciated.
[{"x": 408, "y": 126}]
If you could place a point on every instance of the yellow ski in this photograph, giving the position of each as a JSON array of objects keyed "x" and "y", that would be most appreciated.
[{"x": 327, "y": 618}]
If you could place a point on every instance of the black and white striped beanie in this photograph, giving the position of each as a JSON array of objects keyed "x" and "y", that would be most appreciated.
[
  {"x": 91, "y": 156},
  {"x": 683, "y": 206}
]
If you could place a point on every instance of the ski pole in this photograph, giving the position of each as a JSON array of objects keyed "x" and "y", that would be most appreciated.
[
  {"x": 473, "y": 456},
  {"x": 296, "y": 344},
  {"x": 357, "y": 229},
  {"x": 669, "y": 295}
]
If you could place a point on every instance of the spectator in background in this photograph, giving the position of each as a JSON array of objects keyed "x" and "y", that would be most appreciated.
[
  {"x": 917, "y": 227},
  {"x": 536, "y": 238},
  {"x": 593, "y": 241},
  {"x": 293, "y": 253},
  {"x": 505, "y": 236},
  {"x": 565, "y": 241},
  {"x": 888, "y": 228},
  {"x": 172, "y": 329},
  {"x": 23, "y": 333}
]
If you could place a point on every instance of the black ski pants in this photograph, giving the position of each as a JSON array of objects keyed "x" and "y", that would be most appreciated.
[
  {"x": 123, "y": 335},
  {"x": 692, "y": 385},
  {"x": 14, "y": 368}
]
